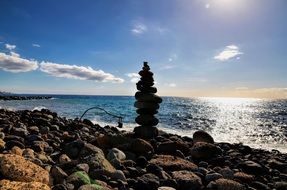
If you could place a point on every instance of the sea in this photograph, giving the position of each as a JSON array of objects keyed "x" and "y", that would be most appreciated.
[{"x": 258, "y": 123}]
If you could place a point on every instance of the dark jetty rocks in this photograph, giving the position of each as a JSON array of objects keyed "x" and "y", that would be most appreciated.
[
  {"x": 14, "y": 97},
  {"x": 40, "y": 150}
]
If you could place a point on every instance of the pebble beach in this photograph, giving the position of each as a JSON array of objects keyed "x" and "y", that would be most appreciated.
[{"x": 40, "y": 150}]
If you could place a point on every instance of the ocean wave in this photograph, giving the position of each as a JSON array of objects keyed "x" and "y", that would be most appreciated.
[{"x": 39, "y": 108}]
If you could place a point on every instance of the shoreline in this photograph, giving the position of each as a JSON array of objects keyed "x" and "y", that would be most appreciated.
[{"x": 72, "y": 154}]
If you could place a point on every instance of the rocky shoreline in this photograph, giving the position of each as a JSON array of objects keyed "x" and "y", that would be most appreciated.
[
  {"x": 40, "y": 150},
  {"x": 14, "y": 97}
]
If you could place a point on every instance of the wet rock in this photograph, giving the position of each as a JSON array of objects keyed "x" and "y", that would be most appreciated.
[
  {"x": 203, "y": 150},
  {"x": 172, "y": 163},
  {"x": 187, "y": 180},
  {"x": 16, "y": 185},
  {"x": 17, "y": 168},
  {"x": 202, "y": 136}
]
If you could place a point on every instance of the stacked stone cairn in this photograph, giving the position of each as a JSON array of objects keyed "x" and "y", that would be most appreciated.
[{"x": 147, "y": 105}]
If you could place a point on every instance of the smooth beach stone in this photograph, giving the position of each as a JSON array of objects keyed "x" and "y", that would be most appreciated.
[
  {"x": 225, "y": 184},
  {"x": 17, "y": 168},
  {"x": 212, "y": 177},
  {"x": 203, "y": 150},
  {"x": 166, "y": 188},
  {"x": 147, "y": 181},
  {"x": 147, "y": 83},
  {"x": 146, "y": 132},
  {"x": 202, "y": 136},
  {"x": 2, "y": 144},
  {"x": 16, "y": 185},
  {"x": 95, "y": 158},
  {"x": 146, "y": 105},
  {"x": 252, "y": 167},
  {"x": 58, "y": 174},
  {"x": 115, "y": 153},
  {"x": 145, "y": 73},
  {"x": 78, "y": 179},
  {"x": 146, "y": 120},
  {"x": 171, "y": 147},
  {"x": 146, "y": 89},
  {"x": 243, "y": 177},
  {"x": 187, "y": 180},
  {"x": 172, "y": 163},
  {"x": 147, "y": 97},
  {"x": 146, "y": 111}
]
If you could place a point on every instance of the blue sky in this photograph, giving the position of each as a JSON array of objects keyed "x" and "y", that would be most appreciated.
[{"x": 194, "y": 47}]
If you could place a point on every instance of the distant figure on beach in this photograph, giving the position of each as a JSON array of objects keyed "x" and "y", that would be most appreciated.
[{"x": 147, "y": 104}]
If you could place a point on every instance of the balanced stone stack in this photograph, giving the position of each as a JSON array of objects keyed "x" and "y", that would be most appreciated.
[{"x": 147, "y": 105}]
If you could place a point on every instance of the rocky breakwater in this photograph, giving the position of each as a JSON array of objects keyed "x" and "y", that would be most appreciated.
[
  {"x": 14, "y": 97},
  {"x": 147, "y": 105},
  {"x": 41, "y": 151}
]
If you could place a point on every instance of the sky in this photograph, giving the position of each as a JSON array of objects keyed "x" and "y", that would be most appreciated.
[{"x": 195, "y": 48}]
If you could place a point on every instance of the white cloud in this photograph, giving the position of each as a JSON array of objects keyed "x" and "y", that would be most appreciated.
[
  {"x": 36, "y": 45},
  {"x": 15, "y": 64},
  {"x": 10, "y": 47},
  {"x": 139, "y": 28},
  {"x": 207, "y": 5},
  {"x": 172, "y": 57},
  {"x": 229, "y": 52},
  {"x": 135, "y": 77},
  {"x": 172, "y": 85},
  {"x": 77, "y": 72}
]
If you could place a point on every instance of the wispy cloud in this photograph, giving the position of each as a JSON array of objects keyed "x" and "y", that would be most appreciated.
[
  {"x": 139, "y": 28},
  {"x": 207, "y": 5},
  {"x": 10, "y": 47},
  {"x": 242, "y": 88},
  {"x": 172, "y": 85},
  {"x": 15, "y": 64},
  {"x": 229, "y": 52},
  {"x": 135, "y": 77},
  {"x": 172, "y": 57},
  {"x": 77, "y": 72},
  {"x": 36, "y": 45}
]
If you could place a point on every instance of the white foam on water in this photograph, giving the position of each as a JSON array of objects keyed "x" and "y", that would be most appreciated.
[{"x": 39, "y": 108}]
